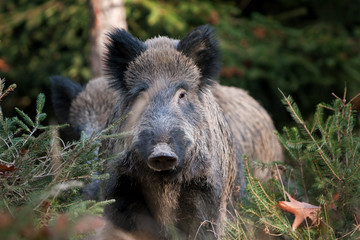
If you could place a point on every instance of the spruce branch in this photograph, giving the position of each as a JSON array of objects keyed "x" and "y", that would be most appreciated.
[
  {"x": 327, "y": 158},
  {"x": 294, "y": 111},
  {"x": 41, "y": 173},
  {"x": 7, "y": 91},
  {"x": 271, "y": 217}
]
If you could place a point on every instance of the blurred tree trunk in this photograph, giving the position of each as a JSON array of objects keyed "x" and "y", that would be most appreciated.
[{"x": 106, "y": 14}]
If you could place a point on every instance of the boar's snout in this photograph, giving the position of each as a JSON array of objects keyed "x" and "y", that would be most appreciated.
[{"x": 162, "y": 158}]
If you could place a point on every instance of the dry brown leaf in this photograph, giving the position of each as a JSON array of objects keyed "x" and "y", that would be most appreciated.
[
  {"x": 301, "y": 210},
  {"x": 5, "y": 168}
]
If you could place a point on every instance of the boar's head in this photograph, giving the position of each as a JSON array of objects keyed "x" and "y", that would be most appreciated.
[{"x": 164, "y": 86}]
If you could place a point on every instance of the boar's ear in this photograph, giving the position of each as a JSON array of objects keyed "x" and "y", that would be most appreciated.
[
  {"x": 202, "y": 47},
  {"x": 121, "y": 49},
  {"x": 63, "y": 92}
]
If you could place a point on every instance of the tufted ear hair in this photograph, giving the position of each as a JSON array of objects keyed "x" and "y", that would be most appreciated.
[
  {"x": 202, "y": 47},
  {"x": 121, "y": 49},
  {"x": 63, "y": 92}
]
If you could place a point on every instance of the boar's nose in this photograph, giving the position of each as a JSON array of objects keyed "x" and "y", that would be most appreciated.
[{"x": 162, "y": 158}]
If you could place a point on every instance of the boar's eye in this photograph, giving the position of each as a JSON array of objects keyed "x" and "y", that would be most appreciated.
[{"x": 181, "y": 96}]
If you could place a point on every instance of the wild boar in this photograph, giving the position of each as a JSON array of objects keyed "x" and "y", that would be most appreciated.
[{"x": 178, "y": 169}]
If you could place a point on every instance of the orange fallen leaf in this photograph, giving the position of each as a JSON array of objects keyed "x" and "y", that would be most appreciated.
[
  {"x": 301, "y": 210},
  {"x": 5, "y": 168},
  {"x": 45, "y": 205}
]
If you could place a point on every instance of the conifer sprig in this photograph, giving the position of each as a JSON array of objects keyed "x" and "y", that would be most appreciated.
[
  {"x": 323, "y": 170},
  {"x": 295, "y": 113},
  {"x": 41, "y": 175}
]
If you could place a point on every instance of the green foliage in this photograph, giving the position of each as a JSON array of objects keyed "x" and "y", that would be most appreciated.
[
  {"x": 324, "y": 171},
  {"x": 298, "y": 46},
  {"x": 306, "y": 62},
  {"x": 328, "y": 156},
  {"x": 39, "y": 39},
  {"x": 41, "y": 176},
  {"x": 150, "y": 18}
]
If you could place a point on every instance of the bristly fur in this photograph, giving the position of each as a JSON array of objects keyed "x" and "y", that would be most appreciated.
[
  {"x": 202, "y": 46},
  {"x": 90, "y": 109},
  {"x": 168, "y": 90},
  {"x": 64, "y": 91},
  {"x": 122, "y": 48}
]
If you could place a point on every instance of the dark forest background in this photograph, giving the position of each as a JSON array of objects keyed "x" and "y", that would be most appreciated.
[{"x": 306, "y": 48}]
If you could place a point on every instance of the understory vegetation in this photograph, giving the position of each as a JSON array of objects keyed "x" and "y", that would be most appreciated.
[
  {"x": 322, "y": 174},
  {"x": 42, "y": 179},
  {"x": 307, "y": 48},
  {"x": 297, "y": 46}
]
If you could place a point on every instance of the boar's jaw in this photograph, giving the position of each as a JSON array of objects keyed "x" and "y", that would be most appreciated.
[{"x": 162, "y": 158}]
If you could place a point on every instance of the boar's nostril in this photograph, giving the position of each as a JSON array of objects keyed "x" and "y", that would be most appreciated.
[{"x": 162, "y": 158}]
